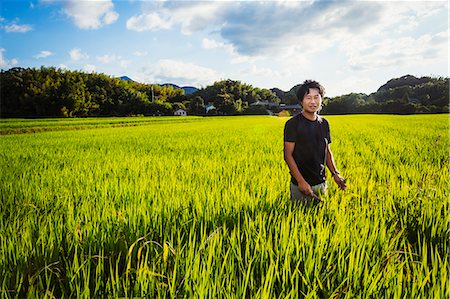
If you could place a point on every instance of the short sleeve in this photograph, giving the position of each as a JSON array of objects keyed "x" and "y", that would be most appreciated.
[{"x": 290, "y": 131}]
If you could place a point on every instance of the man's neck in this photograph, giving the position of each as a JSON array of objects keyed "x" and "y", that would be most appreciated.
[{"x": 310, "y": 116}]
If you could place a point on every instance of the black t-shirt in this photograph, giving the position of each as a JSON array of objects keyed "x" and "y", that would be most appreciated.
[{"x": 311, "y": 139}]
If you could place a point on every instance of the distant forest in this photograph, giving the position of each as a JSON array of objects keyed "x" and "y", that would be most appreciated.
[{"x": 51, "y": 92}]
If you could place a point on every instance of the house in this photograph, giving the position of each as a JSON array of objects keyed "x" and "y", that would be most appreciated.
[
  {"x": 259, "y": 103},
  {"x": 209, "y": 108},
  {"x": 265, "y": 104},
  {"x": 291, "y": 107},
  {"x": 180, "y": 112},
  {"x": 288, "y": 110}
]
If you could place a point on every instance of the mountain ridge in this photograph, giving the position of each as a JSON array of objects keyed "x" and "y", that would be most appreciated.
[{"x": 187, "y": 89}]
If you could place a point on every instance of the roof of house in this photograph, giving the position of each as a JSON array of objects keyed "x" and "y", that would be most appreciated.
[{"x": 291, "y": 106}]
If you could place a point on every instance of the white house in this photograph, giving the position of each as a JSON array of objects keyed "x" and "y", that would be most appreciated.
[
  {"x": 209, "y": 108},
  {"x": 180, "y": 112},
  {"x": 265, "y": 104},
  {"x": 259, "y": 103}
]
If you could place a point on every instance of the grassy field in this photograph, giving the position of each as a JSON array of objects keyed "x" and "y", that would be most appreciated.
[
  {"x": 199, "y": 208},
  {"x": 18, "y": 126}
]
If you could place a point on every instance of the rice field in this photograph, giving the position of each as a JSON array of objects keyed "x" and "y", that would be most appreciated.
[{"x": 199, "y": 208}]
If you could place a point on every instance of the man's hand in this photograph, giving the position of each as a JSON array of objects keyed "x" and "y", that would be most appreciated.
[
  {"x": 340, "y": 181},
  {"x": 305, "y": 188}
]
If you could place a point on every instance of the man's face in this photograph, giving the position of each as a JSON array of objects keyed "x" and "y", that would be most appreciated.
[{"x": 312, "y": 101}]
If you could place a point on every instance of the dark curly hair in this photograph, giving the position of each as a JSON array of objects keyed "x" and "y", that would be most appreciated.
[{"x": 304, "y": 89}]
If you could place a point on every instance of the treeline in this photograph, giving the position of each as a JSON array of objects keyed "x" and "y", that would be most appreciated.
[
  {"x": 404, "y": 95},
  {"x": 51, "y": 92},
  {"x": 54, "y": 92},
  {"x": 231, "y": 97}
]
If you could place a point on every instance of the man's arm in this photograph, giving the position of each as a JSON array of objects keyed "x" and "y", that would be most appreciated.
[
  {"x": 340, "y": 181},
  {"x": 303, "y": 186}
]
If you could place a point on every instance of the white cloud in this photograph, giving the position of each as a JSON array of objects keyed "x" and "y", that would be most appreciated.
[
  {"x": 190, "y": 15},
  {"x": 140, "y": 53},
  {"x": 400, "y": 17},
  {"x": 91, "y": 14},
  {"x": 110, "y": 17},
  {"x": 77, "y": 54},
  {"x": 43, "y": 54},
  {"x": 124, "y": 63},
  {"x": 398, "y": 52},
  {"x": 236, "y": 58},
  {"x": 239, "y": 59},
  {"x": 196, "y": 16},
  {"x": 349, "y": 84},
  {"x": 147, "y": 22},
  {"x": 117, "y": 60},
  {"x": 212, "y": 44},
  {"x": 179, "y": 72},
  {"x": 5, "y": 63},
  {"x": 13, "y": 27},
  {"x": 17, "y": 28},
  {"x": 260, "y": 72},
  {"x": 89, "y": 68},
  {"x": 108, "y": 58},
  {"x": 63, "y": 66},
  {"x": 286, "y": 28}
]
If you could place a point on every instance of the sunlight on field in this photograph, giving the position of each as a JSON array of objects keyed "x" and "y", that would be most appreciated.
[{"x": 200, "y": 208}]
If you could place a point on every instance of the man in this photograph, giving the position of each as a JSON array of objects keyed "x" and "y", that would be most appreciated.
[{"x": 307, "y": 147}]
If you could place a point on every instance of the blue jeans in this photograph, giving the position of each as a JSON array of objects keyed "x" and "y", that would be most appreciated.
[{"x": 298, "y": 197}]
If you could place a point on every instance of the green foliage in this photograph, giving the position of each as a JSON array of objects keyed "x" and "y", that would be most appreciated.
[
  {"x": 233, "y": 97},
  {"x": 199, "y": 207},
  {"x": 290, "y": 97},
  {"x": 256, "y": 110},
  {"x": 407, "y": 80},
  {"x": 60, "y": 93},
  {"x": 403, "y": 95},
  {"x": 17, "y": 126},
  {"x": 196, "y": 105},
  {"x": 55, "y": 92}
]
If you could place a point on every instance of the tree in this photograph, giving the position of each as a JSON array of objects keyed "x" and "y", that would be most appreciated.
[
  {"x": 232, "y": 97},
  {"x": 32, "y": 92},
  {"x": 350, "y": 103},
  {"x": 178, "y": 105},
  {"x": 196, "y": 105},
  {"x": 224, "y": 104}
]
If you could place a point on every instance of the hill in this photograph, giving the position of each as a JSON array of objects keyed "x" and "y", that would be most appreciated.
[
  {"x": 126, "y": 78},
  {"x": 287, "y": 97},
  {"x": 187, "y": 89},
  {"x": 404, "y": 95},
  {"x": 407, "y": 80}
]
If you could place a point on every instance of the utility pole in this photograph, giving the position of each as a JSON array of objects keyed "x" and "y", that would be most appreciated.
[{"x": 153, "y": 95}]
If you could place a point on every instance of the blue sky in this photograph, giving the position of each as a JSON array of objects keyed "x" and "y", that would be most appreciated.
[{"x": 349, "y": 46}]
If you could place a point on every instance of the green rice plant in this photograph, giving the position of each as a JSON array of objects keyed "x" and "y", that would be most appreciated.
[
  {"x": 199, "y": 207},
  {"x": 16, "y": 126}
]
